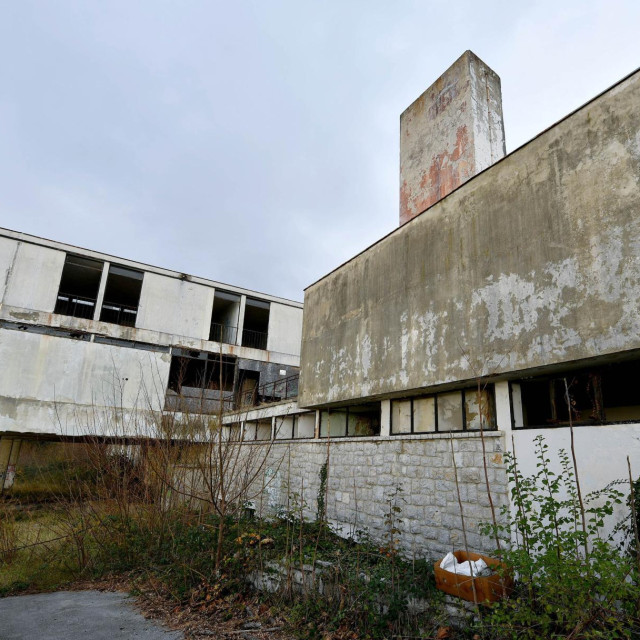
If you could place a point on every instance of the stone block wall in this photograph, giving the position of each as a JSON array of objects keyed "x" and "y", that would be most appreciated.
[{"x": 363, "y": 473}]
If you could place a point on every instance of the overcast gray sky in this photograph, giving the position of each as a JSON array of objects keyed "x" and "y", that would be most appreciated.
[{"x": 256, "y": 143}]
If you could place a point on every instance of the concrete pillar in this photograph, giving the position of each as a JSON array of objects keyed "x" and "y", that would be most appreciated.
[
  {"x": 449, "y": 134},
  {"x": 385, "y": 418},
  {"x": 243, "y": 304},
  {"x": 9, "y": 452},
  {"x": 101, "y": 288},
  {"x": 503, "y": 407}
]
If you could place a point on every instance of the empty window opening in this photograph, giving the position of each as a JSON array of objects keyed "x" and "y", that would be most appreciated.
[
  {"x": 121, "y": 296},
  {"x": 466, "y": 410},
  {"x": 79, "y": 285},
  {"x": 256, "y": 324},
  {"x": 225, "y": 316},
  {"x": 201, "y": 382},
  {"x": 598, "y": 395},
  {"x": 357, "y": 421}
]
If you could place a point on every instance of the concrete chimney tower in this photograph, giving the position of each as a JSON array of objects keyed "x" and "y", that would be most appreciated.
[{"x": 450, "y": 133}]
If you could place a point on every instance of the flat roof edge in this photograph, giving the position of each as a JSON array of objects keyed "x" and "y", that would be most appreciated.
[
  {"x": 489, "y": 168},
  {"x": 62, "y": 246}
]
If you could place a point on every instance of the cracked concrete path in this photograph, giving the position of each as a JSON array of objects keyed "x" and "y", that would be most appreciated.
[{"x": 77, "y": 615}]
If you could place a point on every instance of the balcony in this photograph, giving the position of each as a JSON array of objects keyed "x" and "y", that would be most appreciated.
[
  {"x": 121, "y": 314},
  {"x": 254, "y": 339},
  {"x": 68, "y": 304},
  {"x": 223, "y": 333},
  {"x": 275, "y": 391}
]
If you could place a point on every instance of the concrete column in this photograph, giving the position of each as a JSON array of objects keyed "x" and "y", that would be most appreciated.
[
  {"x": 103, "y": 285},
  {"x": 503, "y": 407},
  {"x": 243, "y": 304},
  {"x": 385, "y": 418},
  {"x": 9, "y": 452}
]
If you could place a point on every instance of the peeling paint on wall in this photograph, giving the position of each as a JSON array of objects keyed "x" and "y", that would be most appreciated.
[{"x": 534, "y": 262}]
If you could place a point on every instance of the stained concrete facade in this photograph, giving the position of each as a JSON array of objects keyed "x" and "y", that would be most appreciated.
[
  {"x": 60, "y": 371},
  {"x": 532, "y": 263}
]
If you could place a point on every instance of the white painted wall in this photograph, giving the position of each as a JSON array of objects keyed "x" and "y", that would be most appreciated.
[
  {"x": 601, "y": 453},
  {"x": 178, "y": 307},
  {"x": 44, "y": 377},
  {"x": 34, "y": 276},
  {"x": 285, "y": 329}
]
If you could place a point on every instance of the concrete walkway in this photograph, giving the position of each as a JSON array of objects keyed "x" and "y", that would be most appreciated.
[{"x": 77, "y": 615}]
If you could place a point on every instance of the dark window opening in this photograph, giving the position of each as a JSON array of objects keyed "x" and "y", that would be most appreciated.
[
  {"x": 121, "y": 296},
  {"x": 201, "y": 382},
  {"x": 594, "y": 396},
  {"x": 256, "y": 324},
  {"x": 357, "y": 421},
  {"x": 224, "y": 319},
  {"x": 79, "y": 287}
]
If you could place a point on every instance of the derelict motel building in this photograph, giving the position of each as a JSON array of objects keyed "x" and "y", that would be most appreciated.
[{"x": 520, "y": 271}]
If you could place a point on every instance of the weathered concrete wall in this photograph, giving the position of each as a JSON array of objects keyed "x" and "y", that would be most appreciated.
[
  {"x": 450, "y": 133},
  {"x": 363, "y": 473},
  {"x": 47, "y": 382},
  {"x": 285, "y": 329},
  {"x": 535, "y": 261},
  {"x": 178, "y": 307},
  {"x": 30, "y": 275}
]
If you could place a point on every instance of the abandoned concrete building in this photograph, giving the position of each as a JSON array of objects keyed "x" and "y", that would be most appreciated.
[
  {"x": 448, "y": 342},
  {"x": 81, "y": 332},
  {"x": 508, "y": 277}
]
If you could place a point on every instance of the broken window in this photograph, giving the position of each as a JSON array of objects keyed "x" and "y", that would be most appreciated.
[
  {"x": 121, "y": 296},
  {"x": 225, "y": 316},
  {"x": 465, "y": 410},
  {"x": 200, "y": 382},
  {"x": 256, "y": 324},
  {"x": 358, "y": 420},
  {"x": 79, "y": 285},
  {"x": 598, "y": 395}
]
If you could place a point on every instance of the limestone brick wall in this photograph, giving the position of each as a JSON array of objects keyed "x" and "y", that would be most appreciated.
[{"x": 364, "y": 473}]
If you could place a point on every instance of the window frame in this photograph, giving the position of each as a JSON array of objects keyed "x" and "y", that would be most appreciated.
[{"x": 463, "y": 395}]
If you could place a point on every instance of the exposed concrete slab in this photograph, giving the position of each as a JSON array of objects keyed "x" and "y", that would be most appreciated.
[{"x": 77, "y": 615}]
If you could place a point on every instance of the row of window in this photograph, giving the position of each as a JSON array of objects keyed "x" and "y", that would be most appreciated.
[
  {"x": 78, "y": 297},
  {"x": 597, "y": 395},
  {"x": 465, "y": 410},
  {"x": 285, "y": 428}
]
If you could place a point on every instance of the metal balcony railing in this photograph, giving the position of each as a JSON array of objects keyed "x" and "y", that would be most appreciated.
[
  {"x": 254, "y": 339},
  {"x": 68, "y": 304},
  {"x": 272, "y": 392},
  {"x": 223, "y": 333},
  {"x": 121, "y": 314}
]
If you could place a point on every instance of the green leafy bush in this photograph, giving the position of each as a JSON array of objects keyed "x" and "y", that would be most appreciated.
[{"x": 571, "y": 581}]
